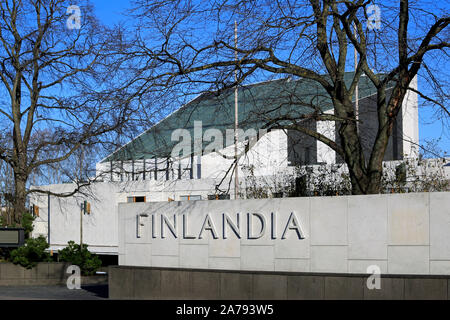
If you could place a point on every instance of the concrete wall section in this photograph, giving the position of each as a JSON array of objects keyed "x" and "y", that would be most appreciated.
[
  {"x": 193, "y": 284},
  {"x": 399, "y": 233},
  {"x": 43, "y": 274}
]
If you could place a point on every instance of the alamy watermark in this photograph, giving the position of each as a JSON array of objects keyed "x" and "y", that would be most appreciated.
[
  {"x": 374, "y": 280},
  {"x": 215, "y": 137},
  {"x": 74, "y": 280},
  {"x": 74, "y": 20},
  {"x": 374, "y": 17}
]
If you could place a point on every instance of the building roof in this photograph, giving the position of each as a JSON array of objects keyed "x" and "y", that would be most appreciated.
[{"x": 258, "y": 103}]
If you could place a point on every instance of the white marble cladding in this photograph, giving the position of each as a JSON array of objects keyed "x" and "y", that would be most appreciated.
[{"x": 400, "y": 233}]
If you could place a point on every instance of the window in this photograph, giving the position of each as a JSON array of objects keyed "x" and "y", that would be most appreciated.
[
  {"x": 190, "y": 198},
  {"x": 219, "y": 197},
  {"x": 136, "y": 199},
  {"x": 302, "y": 149}
]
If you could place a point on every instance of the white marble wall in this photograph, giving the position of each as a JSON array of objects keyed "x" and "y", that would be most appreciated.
[
  {"x": 400, "y": 233},
  {"x": 99, "y": 228},
  {"x": 410, "y": 115}
]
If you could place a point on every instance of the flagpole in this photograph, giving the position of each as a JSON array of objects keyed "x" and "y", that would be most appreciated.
[
  {"x": 236, "y": 119},
  {"x": 357, "y": 85}
]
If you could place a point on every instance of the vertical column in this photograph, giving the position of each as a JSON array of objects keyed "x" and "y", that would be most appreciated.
[
  {"x": 191, "y": 169},
  {"x": 48, "y": 219},
  {"x": 167, "y": 169},
  {"x": 143, "y": 170},
  {"x": 199, "y": 167}
]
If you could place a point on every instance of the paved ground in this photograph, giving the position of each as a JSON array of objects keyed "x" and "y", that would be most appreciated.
[{"x": 94, "y": 292}]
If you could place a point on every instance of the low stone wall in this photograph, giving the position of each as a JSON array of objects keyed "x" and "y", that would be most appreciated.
[
  {"x": 52, "y": 273},
  {"x": 399, "y": 233},
  {"x": 164, "y": 283}
]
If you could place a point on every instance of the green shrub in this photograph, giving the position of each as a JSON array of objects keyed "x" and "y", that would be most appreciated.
[
  {"x": 27, "y": 224},
  {"x": 31, "y": 253},
  {"x": 80, "y": 256},
  {"x": 2, "y": 221}
]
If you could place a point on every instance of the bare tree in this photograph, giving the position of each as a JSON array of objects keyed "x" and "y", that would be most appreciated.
[
  {"x": 192, "y": 44},
  {"x": 60, "y": 86}
]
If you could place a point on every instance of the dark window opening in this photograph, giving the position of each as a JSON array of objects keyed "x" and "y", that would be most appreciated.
[
  {"x": 136, "y": 199},
  {"x": 368, "y": 130},
  {"x": 218, "y": 197},
  {"x": 302, "y": 149}
]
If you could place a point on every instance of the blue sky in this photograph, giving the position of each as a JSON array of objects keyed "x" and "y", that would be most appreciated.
[{"x": 110, "y": 13}]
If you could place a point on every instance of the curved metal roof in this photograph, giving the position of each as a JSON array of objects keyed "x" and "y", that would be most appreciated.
[{"x": 258, "y": 103}]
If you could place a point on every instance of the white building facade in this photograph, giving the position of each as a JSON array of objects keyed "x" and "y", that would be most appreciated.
[{"x": 146, "y": 170}]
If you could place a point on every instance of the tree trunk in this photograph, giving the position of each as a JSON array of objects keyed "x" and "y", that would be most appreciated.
[
  {"x": 20, "y": 198},
  {"x": 363, "y": 183},
  {"x": 353, "y": 150}
]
